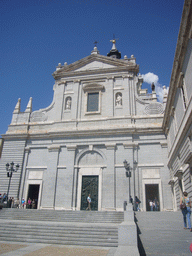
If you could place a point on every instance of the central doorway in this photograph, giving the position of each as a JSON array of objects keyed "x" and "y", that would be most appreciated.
[
  {"x": 152, "y": 193},
  {"x": 89, "y": 186},
  {"x": 33, "y": 193}
]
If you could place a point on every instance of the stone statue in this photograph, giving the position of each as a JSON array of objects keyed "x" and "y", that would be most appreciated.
[
  {"x": 68, "y": 103},
  {"x": 153, "y": 87},
  {"x": 118, "y": 100}
]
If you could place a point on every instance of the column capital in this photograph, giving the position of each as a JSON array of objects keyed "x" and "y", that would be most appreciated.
[
  {"x": 76, "y": 81},
  {"x": 130, "y": 145},
  {"x": 110, "y": 146},
  {"x": 27, "y": 150},
  {"x": 54, "y": 148},
  {"x": 71, "y": 147}
]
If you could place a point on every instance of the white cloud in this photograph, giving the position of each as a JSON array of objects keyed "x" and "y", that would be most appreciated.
[
  {"x": 150, "y": 78},
  {"x": 160, "y": 92}
]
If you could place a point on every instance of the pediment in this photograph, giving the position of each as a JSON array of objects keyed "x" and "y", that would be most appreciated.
[{"x": 95, "y": 65}]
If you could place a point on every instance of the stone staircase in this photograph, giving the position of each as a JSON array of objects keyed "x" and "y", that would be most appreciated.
[{"x": 60, "y": 227}]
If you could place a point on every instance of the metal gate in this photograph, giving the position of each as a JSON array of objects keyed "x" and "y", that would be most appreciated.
[{"x": 89, "y": 186}]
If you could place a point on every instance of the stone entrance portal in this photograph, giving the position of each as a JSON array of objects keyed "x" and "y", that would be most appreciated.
[
  {"x": 152, "y": 192},
  {"x": 33, "y": 193},
  {"x": 89, "y": 186}
]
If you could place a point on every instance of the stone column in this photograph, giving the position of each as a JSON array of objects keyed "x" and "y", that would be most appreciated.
[{"x": 50, "y": 178}]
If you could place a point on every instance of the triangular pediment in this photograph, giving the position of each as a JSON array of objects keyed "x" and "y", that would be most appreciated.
[
  {"x": 95, "y": 65},
  {"x": 95, "y": 62}
]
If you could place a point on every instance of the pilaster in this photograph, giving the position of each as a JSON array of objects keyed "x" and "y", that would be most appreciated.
[
  {"x": 110, "y": 98},
  {"x": 50, "y": 178},
  {"x": 71, "y": 176},
  {"x": 109, "y": 179},
  {"x": 23, "y": 173}
]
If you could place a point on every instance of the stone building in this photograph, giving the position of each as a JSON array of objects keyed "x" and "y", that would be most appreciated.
[
  {"x": 177, "y": 122},
  {"x": 100, "y": 116}
]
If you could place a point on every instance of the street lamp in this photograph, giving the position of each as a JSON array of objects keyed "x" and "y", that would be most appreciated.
[
  {"x": 10, "y": 169},
  {"x": 128, "y": 175},
  {"x": 134, "y": 168}
]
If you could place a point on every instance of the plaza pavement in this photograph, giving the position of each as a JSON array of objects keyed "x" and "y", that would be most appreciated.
[
  {"x": 30, "y": 249},
  {"x": 162, "y": 234}
]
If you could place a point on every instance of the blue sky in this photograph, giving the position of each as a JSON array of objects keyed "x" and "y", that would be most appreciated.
[{"x": 36, "y": 35}]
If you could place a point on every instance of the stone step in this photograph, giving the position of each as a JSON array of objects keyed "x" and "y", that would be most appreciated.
[
  {"x": 64, "y": 238},
  {"x": 65, "y": 228},
  {"x": 62, "y": 216},
  {"x": 62, "y": 242}
]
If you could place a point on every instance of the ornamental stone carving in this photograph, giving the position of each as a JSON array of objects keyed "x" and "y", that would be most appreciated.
[
  {"x": 154, "y": 109},
  {"x": 37, "y": 116}
]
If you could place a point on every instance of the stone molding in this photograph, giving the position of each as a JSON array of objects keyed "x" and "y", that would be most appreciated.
[
  {"x": 54, "y": 148},
  {"x": 36, "y": 167},
  {"x": 61, "y": 167},
  {"x": 118, "y": 89},
  {"x": 77, "y": 81},
  {"x": 71, "y": 147},
  {"x": 150, "y": 165},
  {"x": 88, "y": 166},
  {"x": 110, "y": 146},
  {"x": 68, "y": 92},
  {"x": 130, "y": 145},
  {"x": 62, "y": 82},
  {"x": 93, "y": 87}
]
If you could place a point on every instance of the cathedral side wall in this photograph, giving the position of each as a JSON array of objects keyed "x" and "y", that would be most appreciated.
[{"x": 13, "y": 151}]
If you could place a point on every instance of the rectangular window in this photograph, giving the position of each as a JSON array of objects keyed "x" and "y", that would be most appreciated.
[{"x": 93, "y": 102}]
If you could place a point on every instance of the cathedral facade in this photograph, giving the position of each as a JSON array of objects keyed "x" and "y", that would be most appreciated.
[{"x": 100, "y": 116}]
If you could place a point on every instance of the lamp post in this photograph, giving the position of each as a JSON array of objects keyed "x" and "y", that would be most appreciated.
[
  {"x": 10, "y": 169},
  {"x": 128, "y": 175},
  {"x": 134, "y": 168}
]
